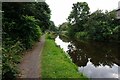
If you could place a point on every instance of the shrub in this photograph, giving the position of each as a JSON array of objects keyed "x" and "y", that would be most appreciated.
[
  {"x": 10, "y": 58},
  {"x": 31, "y": 32},
  {"x": 81, "y": 35},
  {"x": 26, "y": 34},
  {"x": 51, "y": 35}
]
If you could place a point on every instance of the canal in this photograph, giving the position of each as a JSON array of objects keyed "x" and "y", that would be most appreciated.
[{"x": 94, "y": 59}]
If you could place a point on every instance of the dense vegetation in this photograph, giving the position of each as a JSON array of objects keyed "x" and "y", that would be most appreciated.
[
  {"x": 55, "y": 64},
  {"x": 23, "y": 24},
  {"x": 98, "y": 26}
]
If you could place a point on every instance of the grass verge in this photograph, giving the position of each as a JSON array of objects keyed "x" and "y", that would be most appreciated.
[{"x": 55, "y": 64}]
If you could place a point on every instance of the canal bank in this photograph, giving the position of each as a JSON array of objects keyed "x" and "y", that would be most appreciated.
[{"x": 55, "y": 64}]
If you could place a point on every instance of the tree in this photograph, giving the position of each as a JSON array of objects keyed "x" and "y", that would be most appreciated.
[
  {"x": 99, "y": 25},
  {"x": 63, "y": 26},
  {"x": 21, "y": 28},
  {"x": 78, "y": 16},
  {"x": 40, "y": 11},
  {"x": 52, "y": 26}
]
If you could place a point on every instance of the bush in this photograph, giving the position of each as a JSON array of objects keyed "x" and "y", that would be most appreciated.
[
  {"x": 26, "y": 34},
  {"x": 20, "y": 32},
  {"x": 31, "y": 32},
  {"x": 116, "y": 33},
  {"x": 51, "y": 35},
  {"x": 81, "y": 35},
  {"x": 10, "y": 58}
]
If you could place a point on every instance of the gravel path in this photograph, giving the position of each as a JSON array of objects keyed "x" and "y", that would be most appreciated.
[{"x": 30, "y": 65}]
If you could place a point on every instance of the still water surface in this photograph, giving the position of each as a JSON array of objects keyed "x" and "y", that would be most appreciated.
[{"x": 94, "y": 59}]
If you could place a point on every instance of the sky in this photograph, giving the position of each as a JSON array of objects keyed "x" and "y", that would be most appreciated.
[{"x": 60, "y": 9}]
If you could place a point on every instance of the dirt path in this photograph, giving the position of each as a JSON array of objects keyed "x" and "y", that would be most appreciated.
[{"x": 30, "y": 65}]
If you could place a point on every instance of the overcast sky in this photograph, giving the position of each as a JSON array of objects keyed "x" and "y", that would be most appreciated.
[{"x": 60, "y": 9}]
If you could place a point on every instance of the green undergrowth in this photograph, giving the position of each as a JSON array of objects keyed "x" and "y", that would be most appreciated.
[{"x": 55, "y": 64}]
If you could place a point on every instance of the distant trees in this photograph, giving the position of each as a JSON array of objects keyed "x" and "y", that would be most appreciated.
[
  {"x": 98, "y": 25},
  {"x": 63, "y": 26},
  {"x": 52, "y": 26}
]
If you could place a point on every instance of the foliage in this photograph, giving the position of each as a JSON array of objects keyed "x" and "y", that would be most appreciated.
[
  {"x": 63, "y": 26},
  {"x": 40, "y": 11},
  {"x": 10, "y": 58},
  {"x": 51, "y": 35},
  {"x": 116, "y": 33},
  {"x": 80, "y": 35},
  {"x": 32, "y": 34},
  {"x": 23, "y": 24},
  {"x": 99, "y": 25},
  {"x": 52, "y": 27},
  {"x": 79, "y": 15}
]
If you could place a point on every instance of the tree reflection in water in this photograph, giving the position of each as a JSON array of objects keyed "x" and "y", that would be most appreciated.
[
  {"x": 94, "y": 59},
  {"x": 99, "y": 53}
]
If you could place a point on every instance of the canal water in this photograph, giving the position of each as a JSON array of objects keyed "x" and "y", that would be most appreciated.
[{"x": 94, "y": 59}]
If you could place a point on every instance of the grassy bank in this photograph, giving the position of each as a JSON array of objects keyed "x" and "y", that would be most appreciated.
[{"x": 55, "y": 64}]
